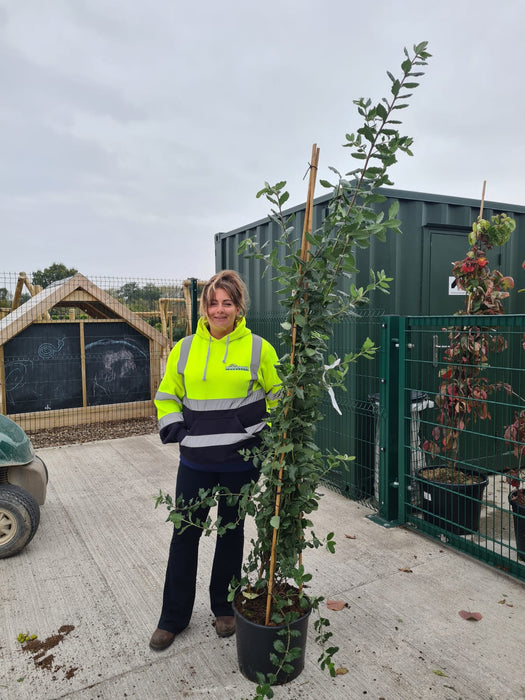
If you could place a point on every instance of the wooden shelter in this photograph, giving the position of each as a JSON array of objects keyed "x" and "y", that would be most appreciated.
[{"x": 98, "y": 362}]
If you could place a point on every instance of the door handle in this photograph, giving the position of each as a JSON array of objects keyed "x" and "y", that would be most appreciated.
[{"x": 435, "y": 350}]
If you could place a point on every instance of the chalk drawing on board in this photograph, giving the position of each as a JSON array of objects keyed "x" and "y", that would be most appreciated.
[
  {"x": 116, "y": 365},
  {"x": 16, "y": 374},
  {"x": 46, "y": 351}
]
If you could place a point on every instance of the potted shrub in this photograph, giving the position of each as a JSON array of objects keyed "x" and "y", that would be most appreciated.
[
  {"x": 451, "y": 495},
  {"x": 310, "y": 271},
  {"x": 311, "y": 268},
  {"x": 515, "y": 437}
]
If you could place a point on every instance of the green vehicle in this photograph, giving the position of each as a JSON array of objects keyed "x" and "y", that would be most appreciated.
[{"x": 23, "y": 486}]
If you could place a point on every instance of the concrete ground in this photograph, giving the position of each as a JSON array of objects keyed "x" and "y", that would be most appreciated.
[{"x": 91, "y": 581}]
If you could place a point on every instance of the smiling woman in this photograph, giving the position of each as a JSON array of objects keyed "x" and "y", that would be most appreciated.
[
  {"x": 224, "y": 300},
  {"x": 221, "y": 314},
  {"x": 214, "y": 398}
]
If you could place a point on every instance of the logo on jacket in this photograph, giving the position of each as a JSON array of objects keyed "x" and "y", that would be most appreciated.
[{"x": 236, "y": 368}]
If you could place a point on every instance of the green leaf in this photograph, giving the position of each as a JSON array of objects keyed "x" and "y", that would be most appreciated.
[
  {"x": 393, "y": 209},
  {"x": 275, "y": 522},
  {"x": 176, "y": 518},
  {"x": 381, "y": 112},
  {"x": 283, "y": 198},
  {"x": 284, "y": 449},
  {"x": 279, "y": 647}
]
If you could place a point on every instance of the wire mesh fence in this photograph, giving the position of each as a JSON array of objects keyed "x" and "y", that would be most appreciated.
[{"x": 469, "y": 489}]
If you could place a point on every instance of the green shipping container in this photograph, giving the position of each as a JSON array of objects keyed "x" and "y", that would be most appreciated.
[
  {"x": 435, "y": 229},
  {"x": 434, "y": 235}
]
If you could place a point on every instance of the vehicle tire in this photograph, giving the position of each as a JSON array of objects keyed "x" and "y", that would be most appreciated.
[{"x": 19, "y": 519}]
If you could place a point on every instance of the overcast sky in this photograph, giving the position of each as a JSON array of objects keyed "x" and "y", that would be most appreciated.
[{"x": 132, "y": 131}]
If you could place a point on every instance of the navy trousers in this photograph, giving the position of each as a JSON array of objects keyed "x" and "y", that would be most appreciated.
[{"x": 181, "y": 573}]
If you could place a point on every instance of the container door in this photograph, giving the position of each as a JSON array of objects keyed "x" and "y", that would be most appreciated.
[{"x": 445, "y": 248}]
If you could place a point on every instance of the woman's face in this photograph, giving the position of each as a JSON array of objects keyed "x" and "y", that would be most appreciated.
[{"x": 221, "y": 314}]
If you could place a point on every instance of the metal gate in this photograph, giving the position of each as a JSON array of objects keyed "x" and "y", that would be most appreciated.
[{"x": 452, "y": 394}]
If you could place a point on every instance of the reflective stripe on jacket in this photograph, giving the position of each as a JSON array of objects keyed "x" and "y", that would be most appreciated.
[{"x": 215, "y": 395}]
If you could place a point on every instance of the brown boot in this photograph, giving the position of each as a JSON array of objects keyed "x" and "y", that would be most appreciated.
[
  {"x": 161, "y": 639},
  {"x": 225, "y": 625}
]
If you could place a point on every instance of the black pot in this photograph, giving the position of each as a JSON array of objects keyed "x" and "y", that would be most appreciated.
[
  {"x": 519, "y": 522},
  {"x": 255, "y": 644},
  {"x": 455, "y": 508}
]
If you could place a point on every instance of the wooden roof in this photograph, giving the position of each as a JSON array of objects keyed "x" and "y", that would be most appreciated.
[{"x": 79, "y": 292}]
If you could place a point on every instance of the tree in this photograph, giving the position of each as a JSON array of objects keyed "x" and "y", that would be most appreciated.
[
  {"x": 56, "y": 271},
  {"x": 129, "y": 292}
]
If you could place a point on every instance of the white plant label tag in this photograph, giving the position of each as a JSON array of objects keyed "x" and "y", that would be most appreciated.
[{"x": 454, "y": 291}]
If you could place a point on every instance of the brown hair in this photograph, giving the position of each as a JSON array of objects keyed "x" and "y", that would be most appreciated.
[{"x": 230, "y": 282}]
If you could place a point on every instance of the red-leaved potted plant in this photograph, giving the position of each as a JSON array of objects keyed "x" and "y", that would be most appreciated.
[{"x": 454, "y": 500}]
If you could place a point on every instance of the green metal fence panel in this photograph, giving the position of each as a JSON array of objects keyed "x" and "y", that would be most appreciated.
[
  {"x": 475, "y": 517},
  {"x": 390, "y": 415}
]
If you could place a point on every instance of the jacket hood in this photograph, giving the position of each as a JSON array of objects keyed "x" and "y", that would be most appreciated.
[
  {"x": 239, "y": 331},
  {"x": 203, "y": 331}
]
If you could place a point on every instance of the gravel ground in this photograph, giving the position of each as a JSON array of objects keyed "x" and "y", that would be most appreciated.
[{"x": 54, "y": 437}]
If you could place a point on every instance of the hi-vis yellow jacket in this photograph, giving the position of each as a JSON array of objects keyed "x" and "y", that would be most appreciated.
[{"x": 215, "y": 395}]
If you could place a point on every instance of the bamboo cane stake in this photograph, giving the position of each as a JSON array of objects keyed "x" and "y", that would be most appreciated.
[
  {"x": 307, "y": 228},
  {"x": 482, "y": 199},
  {"x": 305, "y": 253},
  {"x": 469, "y": 299}
]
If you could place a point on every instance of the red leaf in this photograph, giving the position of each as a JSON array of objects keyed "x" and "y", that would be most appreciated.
[
  {"x": 335, "y": 604},
  {"x": 470, "y": 615}
]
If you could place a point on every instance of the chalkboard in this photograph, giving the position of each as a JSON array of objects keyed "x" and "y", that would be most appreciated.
[
  {"x": 42, "y": 368},
  {"x": 117, "y": 364}
]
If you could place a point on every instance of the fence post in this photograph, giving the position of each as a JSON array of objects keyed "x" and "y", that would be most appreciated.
[
  {"x": 194, "y": 304},
  {"x": 391, "y": 396}
]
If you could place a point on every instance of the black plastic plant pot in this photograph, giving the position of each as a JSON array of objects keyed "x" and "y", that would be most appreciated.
[
  {"x": 519, "y": 522},
  {"x": 255, "y": 643},
  {"x": 455, "y": 508}
]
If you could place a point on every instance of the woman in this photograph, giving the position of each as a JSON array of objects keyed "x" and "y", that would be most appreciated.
[{"x": 213, "y": 400}]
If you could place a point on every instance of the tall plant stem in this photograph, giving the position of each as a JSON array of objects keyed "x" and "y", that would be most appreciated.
[{"x": 305, "y": 253}]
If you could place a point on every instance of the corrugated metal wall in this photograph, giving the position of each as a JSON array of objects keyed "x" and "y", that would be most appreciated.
[{"x": 434, "y": 235}]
